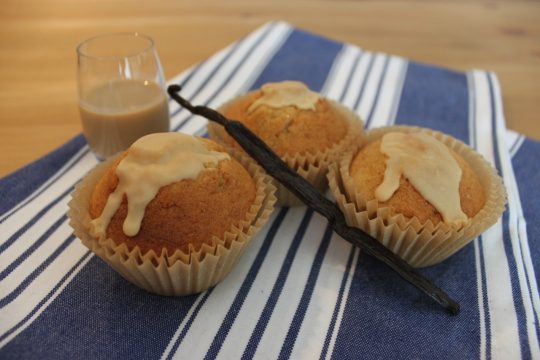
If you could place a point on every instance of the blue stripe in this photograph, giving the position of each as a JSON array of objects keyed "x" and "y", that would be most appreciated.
[
  {"x": 38, "y": 216},
  {"x": 34, "y": 274},
  {"x": 268, "y": 309},
  {"x": 32, "y": 248},
  {"x": 45, "y": 188},
  {"x": 189, "y": 323},
  {"x": 301, "y": 310},
  {"x": 485, "y": 303},
  {"x": 369, "y": 73},
  {"x": 436, "y": 98},
  {"x": 514, "y": 279},
  {"x": 377, "y": 95},
  {"x": 333, "y": 321},
  {"x": 345, "y": 89},
  {"x": 6, "y": 350},
  {"x": 243, "y": 292},
  {"x": 17, "y": 186}
]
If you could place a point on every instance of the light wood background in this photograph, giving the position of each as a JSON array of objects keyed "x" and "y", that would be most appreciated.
[{"x": 38, "y": 98}]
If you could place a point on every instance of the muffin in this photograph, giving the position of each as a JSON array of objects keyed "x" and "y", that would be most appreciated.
[
  {"x": 305, "y": 129},
  {"x": 422, "y": 193},
  {"x": 173, "y": 213}
]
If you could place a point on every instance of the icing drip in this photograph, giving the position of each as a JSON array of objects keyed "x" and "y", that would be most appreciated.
[
  {"x": 153, "y": 161},
  {"x": 430, "y": 168},
  {"x": 286, "y": 93}
]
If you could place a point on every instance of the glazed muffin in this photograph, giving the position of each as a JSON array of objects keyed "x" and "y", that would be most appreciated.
[
  {"x": 305, "y": 129},
  {"x": 173, "y": 213},
  {"x": 422, "y": 193}
]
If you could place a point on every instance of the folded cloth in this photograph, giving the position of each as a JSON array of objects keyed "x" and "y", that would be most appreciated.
[{"x": 299, "y": 291}]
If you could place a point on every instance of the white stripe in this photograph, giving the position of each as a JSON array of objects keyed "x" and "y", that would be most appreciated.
[
  {"x": 204, "y": 70},
  {"x": 357, "y": 78},
  {"x": 503, "y": 318},
  {"x": 30, "y": 236},
  {"x": 183, "y": 324},
  {"x": 225, "y": 291},
  {"x": 515, "y": 210},
  {"x": 477, "y": 254},
  {"x": 390, "y": 91},
  {"x": 252, "y": 67},
  {"x": 510, "y": 138},
  {"x": 26, "y": 302},
  {"x": 514, "y": 140},
  {"x": 49, "y": 181},
  {"x": 211, "y": 315},
  {"x": 481, "y": 311},
  {"x": 21, "y": 272},
  {"x": 289, "y": 299},
  {"x": 335, "y": 332},
  {"x": 310, "y": 339},
  {"x": 26, "y": 213},
  {"x": 226, "y": 68},
  {"x": 339, "y": 72},
  {"x": 371, "y": 86}
]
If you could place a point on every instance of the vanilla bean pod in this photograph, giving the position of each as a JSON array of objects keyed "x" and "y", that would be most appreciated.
[{"x": 258, "y": 150}]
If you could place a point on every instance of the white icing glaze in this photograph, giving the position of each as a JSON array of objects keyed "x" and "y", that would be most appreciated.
[
  {"x": 430, "y": 168},
  {"x": 286, "y": 93},
  {"x": 153, "y": 161}
]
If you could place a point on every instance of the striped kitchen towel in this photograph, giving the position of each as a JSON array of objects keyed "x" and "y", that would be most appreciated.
[{"x": 299, "y": 291}]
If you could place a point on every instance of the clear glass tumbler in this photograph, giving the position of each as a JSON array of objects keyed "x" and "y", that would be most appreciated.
[{"x": 121, "y": 91}]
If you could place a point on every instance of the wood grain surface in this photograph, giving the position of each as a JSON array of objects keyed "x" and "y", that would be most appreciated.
[{"x": 38, "y": 97}]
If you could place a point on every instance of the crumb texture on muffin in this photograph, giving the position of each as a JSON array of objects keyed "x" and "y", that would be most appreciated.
[
  {"x": 181, "y": 192},
  {"x": 289, "y": 117},
  {"x": 449, "y": 181}
]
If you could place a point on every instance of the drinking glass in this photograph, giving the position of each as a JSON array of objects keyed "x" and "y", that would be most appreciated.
[{"x": 121, "y": 91}]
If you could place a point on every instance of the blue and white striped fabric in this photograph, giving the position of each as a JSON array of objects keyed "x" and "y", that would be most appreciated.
[{"x": 299, "y": 291}]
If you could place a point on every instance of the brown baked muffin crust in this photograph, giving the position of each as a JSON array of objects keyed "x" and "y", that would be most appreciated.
[
  {"x": 367, "y": 170},
  {"x": 188, "y": 212},
  {"x": 289, "y": 130}
]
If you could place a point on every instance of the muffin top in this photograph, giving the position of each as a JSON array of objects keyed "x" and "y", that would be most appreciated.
[
  {"x": 173, "y": 191},
  {"x": 288, "y": 117},
  {"x": 416, "y": 175}
]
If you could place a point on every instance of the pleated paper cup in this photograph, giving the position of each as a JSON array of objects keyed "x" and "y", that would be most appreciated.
[
  {"x": 420, "y": 244},
  {"x": 180, "y": 273},
  {"x": 311, "y": 166}
]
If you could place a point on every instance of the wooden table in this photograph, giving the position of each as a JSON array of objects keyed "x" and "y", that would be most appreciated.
[{"x": 38, "y": 97}]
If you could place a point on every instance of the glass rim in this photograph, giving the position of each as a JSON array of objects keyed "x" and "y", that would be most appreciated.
[{"x": 81, "y": 52}]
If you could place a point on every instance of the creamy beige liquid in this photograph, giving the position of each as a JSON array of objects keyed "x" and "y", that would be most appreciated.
[{"x": 116, "y": 114}]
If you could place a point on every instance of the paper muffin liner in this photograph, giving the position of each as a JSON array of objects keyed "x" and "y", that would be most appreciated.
[
  {"x": 180, "y": 273},
  {"x": 420, "y": 244},
  {"x": 311, "y": 166}
]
